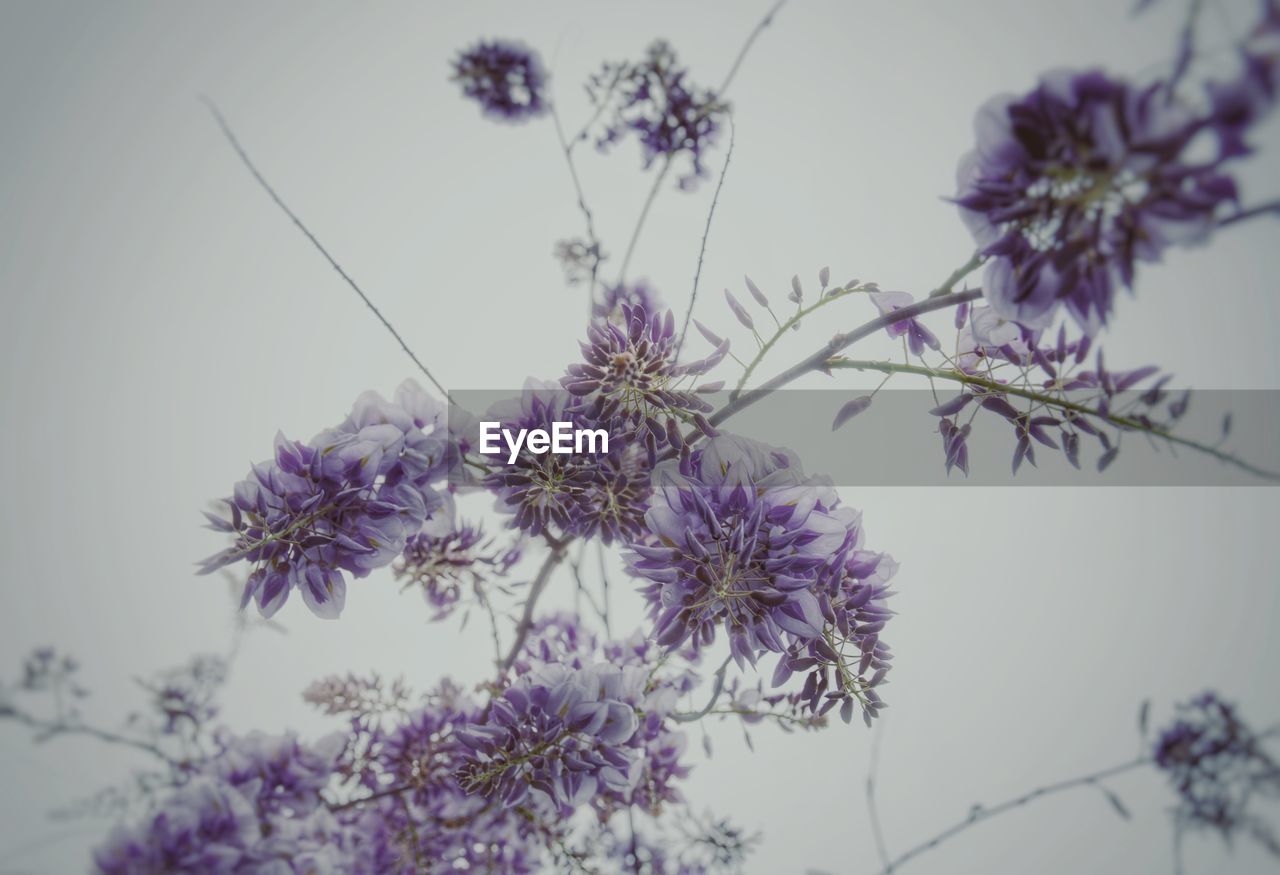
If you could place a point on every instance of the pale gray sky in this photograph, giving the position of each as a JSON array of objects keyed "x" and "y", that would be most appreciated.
[{"x": 163, "y": 320}]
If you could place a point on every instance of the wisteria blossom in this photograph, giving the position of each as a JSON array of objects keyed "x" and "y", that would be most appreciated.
[
  {"x": 505, "y": 78},
  {"x": 569, "y": 746}
]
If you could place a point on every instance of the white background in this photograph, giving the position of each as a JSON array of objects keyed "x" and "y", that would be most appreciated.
[{"x": 161, "y": 320}]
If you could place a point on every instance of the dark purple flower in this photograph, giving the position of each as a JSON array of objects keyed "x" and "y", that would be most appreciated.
[
  {"x": 345, "y": 503},
  {"x": 655, "y": 100},
  {"x": 742, "y": 540},
  {"x": 577, "y": 494},
  {"x": 629, "y": 378},
  {"x": 1073, "y": 183},
  {"x": 917, "y": 334},
  {"x": 253, "y": 807},
  {"x": 505, "y": 77},
  {"x": 637, "y": 294},
  {"x": 1218, "y": 767},
  {"x": 561, "y": 732},
  {"x": 450, "y": 561}
]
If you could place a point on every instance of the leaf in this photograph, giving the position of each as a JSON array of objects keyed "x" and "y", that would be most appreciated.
[
  {"x": 850, "y": 410},
  {"x": 756, "y": 293}
]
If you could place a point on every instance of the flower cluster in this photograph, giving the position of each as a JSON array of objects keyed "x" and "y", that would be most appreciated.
[
  {"x": 630, "y": 385},
  {"x": 743, "y": 541},
  {"x": 505, "y": 77},
  {"x": 638, "y": 294},
  {"x": 655, "y": 100},
  {"x": 418, "y": 811},
  {"x": 1045, "y": 390},
  {"x": 580, "y": 724},
  {"x": 570, "y": 494},
  {"x": 446, "y": 562},
  {"x": 1074, "y": 182},
  {"x": 628, "y": 379},
  {"x": 256, "y": 807},
  {"x": 345, "y": 503},
  {"x": 1217, "y": 766}
]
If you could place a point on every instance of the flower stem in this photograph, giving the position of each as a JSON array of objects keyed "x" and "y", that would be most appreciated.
[
  {"x": 992, "y": 386},
  {"x": 784, "y": 328}
]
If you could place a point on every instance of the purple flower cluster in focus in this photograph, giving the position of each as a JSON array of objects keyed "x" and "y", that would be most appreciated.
[
  {"x": 744, "y": 542},
  {"x": 345, "y": 503}
]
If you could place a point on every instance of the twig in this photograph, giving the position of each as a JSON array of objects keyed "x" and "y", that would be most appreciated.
[
  {"x": 597, "y": 253},
  {"x": 980, "y": 814},
  {"x": 706, "y": 233},
  {"x": 716, "y": 689},
  {"x": 818, "y": 360},
  {"x": 1270, "y": 207},
  {"x": 49, "y": 729},
  {"x": 873, "y": 809},
  {"x": 1122, "y": 422},
  {"x": 271, "y": 192},
  {"x": 372, "y": 797},
  {"x": 644, "y": 214},
  {"x": 751, "y": 39},
  {"x": 535, "y": 590}
]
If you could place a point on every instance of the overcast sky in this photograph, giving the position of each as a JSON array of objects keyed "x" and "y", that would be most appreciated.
[{"x": 162, "y": 320}]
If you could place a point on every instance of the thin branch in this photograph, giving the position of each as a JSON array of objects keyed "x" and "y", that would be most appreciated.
[
  {"x": 644, "y": 214},
  {"x": 271, "y": 192},
  {"x": 372, "y": 797},
  {"x": 593, "y": 239},
  {"x": 716, "y": 690},
  {"x": 873, "y": 809},
  {"x": 46, "y": 730},
  {"x": 819, "y": 359},
  {"x": 980, "y": 814},
  {"x": 785, "y": 327},
  {"x": 706, "y": 233},
  {"x": 662, "y": 174},
  {"x": 535, "y": 590},
  {"x": 1122, "y": 422},
  {"x": 1263, "y": 209},
  {"x": 746, "y": 47}
]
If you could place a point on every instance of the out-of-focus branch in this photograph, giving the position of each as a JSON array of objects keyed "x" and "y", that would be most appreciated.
[{"x": 980, "y": 814}]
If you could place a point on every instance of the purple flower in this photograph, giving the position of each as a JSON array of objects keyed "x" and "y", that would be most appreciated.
[
  {"x": 254, "y": 807},
  {"x": 629, "y": 378},
  {"x": 449, "y": 560},
  {"x": 568, "y": 494},
  {"x": 742, "y": 540},
  {"x": 637, "y": 294},
  {"x": 655, "y": 101},
  {"x": 505, "y": 78},
  {"x": 1074, "y": 182},
  {"x": 918, "y": 336},
  {"x": 345, "y": 503},
  {"x": 1217, "y": 766},
  {"x": 581, "y": 723}
]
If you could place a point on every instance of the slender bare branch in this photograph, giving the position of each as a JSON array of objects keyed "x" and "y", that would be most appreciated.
[{"x": 271, "y": 192}]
